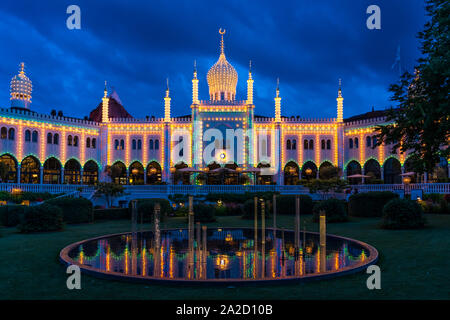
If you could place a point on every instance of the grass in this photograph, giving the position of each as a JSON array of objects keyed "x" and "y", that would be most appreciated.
[{"x": 414, "y": 265}]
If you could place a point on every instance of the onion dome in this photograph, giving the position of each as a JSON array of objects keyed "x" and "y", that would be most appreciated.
[
  {"x": 21, "y": 88},
  {"x": 222, "y": 77}
]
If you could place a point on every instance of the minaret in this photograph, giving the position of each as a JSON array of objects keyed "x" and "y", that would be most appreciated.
[
  {"x": 250, "y": 85},
  {"x": 21, "y": 88},
  {"x": 340, "y": 104},
  {"x": 195, "y": 85},
  {"x": 278, "y": 103},
  {"x": 167, "y": 104},
  {"x": 105, "y": 105}
]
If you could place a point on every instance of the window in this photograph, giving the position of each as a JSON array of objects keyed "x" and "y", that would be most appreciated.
[
  {"x": 49, "y": 138},
  {"x": 11, "y": 133},
  {"x": 27, "y": 135},
  {"x": 294, "y": 144},
  {"x": 75, "y": 141},
  {"x": 34, "y": 137},
  {"x": 374, "y": 141},
  {"x": 69, "y": 140},
  {"x": 288, "y": 144},
  {"x": 311, "y": 144},
  {"x": 323, "y": 144},
  {"x": 88, "y": 142},
  {"x": 56, "y": 139},
  {"x": 305, "y": 144},
  {"x": 356, "y": 143},
  {"x": 181, "y": 153},
  {"x": 133, "y": 144},
  {"x": 150, "y": 146},
  {"x": 139, "y": 144},
  {"x": 122, "y": 144},
  {"x": 350, "y": 143},
  {"x": 328, "y": 144},
  {"x": 368, "y": 141},
  {"x": 4, "y": 133},
  {"x": 94, "y": 142},
  {"x": 116, "y": 144},
  {"x": 156, "y": 144}
]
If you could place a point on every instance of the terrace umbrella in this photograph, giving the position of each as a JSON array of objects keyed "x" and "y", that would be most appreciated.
[
  {"x": 358, "y": 176},
  {"x": 408, "y": 174},
  {"x": 189, "y": 170}
]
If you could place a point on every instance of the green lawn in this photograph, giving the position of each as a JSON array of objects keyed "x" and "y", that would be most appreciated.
[{"x": 414, "y": 265}]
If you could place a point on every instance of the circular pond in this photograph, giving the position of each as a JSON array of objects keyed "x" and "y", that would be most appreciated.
[{"x": 219, "y": 255}]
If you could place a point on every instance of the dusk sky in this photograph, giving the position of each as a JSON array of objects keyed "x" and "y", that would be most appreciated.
[{"x": 136, "y": 45}]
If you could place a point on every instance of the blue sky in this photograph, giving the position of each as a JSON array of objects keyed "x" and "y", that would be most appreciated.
[{"x": 136, "y": 45}]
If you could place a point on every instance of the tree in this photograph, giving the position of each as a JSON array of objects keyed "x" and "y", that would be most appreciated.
[
  {"x": 421, "y": 123},
  {"x": 109, "y": 190},
  {"x": 325, "y": 186}
]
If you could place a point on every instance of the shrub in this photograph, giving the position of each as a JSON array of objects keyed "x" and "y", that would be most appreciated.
[
  {"x": 220, "y": 210},
  {"x": 181, "y": 211},
  {"x": 334, "y": 210},
  {"x": 75, "y": 210},
  {"x": 44, "y": 217},
  {"x": 402, "y": 214},
  {"x": 249, "y": 209},
  {"x": 369, "y": 204},
  {"x": 286, "y": 205},
  {"x": 146, "y": 208},
  {"x": 204, "y": 213},
  {"x": 112, "y": 214},
  {"x": 11, "y": 215}
]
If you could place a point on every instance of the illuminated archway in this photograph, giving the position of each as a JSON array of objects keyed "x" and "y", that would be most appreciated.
[
  {"x": 136, "y": 173},
  {"x": 52, "y": 171},
  {"x": 30, "y": 170},
  {"x": 291, "y": 173},
  {"x": 9, "y": 163},
  {"x": 264, "y": 179},
  {"x": 392, "y": 170},
  {"x": 90, "y": 172},
  {"x": 72, "y": 172},
  {"x": 353, "y": 167},
  {"x": 309, "y": 170},
  {"x": 154, "y": 173},
  {"x": 372, "y": 168},
  {"x": 327, "y": 170},
  {"x": 119, "y": 173}
]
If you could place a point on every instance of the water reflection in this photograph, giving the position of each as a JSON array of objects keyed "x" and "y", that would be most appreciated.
[{"x": 217, "y": 254}]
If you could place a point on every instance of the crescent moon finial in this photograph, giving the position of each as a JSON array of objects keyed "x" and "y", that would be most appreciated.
[{"x": 222, "y": 31}]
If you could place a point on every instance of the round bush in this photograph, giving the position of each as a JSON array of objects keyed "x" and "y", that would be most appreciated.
[
  {"x": 369, "y": 204},
  {"x": 334, "y": 211},
  {"x": 402, "y": 214},
  {"x": 44, "y": 217}
]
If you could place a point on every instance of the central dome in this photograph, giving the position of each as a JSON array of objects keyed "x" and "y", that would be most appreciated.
[{"x": 222, "y": 77}]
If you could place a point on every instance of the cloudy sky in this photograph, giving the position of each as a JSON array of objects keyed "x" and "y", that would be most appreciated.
[{"x": 136, "y": 45}]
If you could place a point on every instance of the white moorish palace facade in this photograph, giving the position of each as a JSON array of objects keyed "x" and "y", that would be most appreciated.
[{"x": 194, "y": 149}]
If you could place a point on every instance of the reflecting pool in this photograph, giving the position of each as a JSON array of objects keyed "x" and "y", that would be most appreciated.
[{"x": 218, "y": 254}]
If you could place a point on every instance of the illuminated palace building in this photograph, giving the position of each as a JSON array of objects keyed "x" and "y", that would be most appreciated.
[{"x": 111, "y": 144}]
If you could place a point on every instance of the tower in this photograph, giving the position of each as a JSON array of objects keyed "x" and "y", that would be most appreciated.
[
  {"x": 278, "y": 103},
  {"x": 250, "y": 85},
  {"x": 21, "y": 89},
  {"x": 105, "y": 105},
  {"x": 167, "y": 104},
  {"x": 195, "y": 86},
  {"x": 340, "y": 104}
]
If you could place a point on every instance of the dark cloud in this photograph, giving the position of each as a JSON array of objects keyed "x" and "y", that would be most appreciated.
[{"x": 135, "y": 45}]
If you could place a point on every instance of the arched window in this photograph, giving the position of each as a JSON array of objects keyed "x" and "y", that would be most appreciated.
[
  {"x": 328, "y": 144},
  {"x": 49, "y": 138},
  {"x": 156, "y": 144},
  {"x": 133, "y": 144},
  {"x": 374, "y": 141},
  {"x": 27, "y": 135},
  {"x": 116, "y": 144},
  {"x": 69, "y": 140},
  {"x": 311, "y": 144},
  {"x": 56, "y": 139},
  {"x": 305, "y": 145},
  {"x": 75, "y": 141},
  {"x": 356, "y": 143},
  {"x": 122, "y": 144},
  {"x": 368, "y": 141},
  {"x": 323, "y": 144},
  {"x": 88, "y": 142},
  {"x": 181, "y": 153},
  {"x": 294, "y": 144},
  {"x": 94, "y": 143},
  {"x": 34, "y": 136},
  {"x": 350, "y": 143},
  {"x": 4, "y": 133},
  {"x": 11, "y": 133},
  {"x": 288, "y": 144},
  {"x": 139, "y": 144},
  {"x": 150, "y": 144}
]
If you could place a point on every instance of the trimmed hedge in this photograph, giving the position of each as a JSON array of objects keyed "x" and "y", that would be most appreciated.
[
  {"x": 11, "y": 215},
  {"x": 334, "y": 210},
  {"x": 249, "y": 209},
  {"x": 369, "y": 204},
  {"x": 112, "y": 214},
  {"x": 75, "y": 210},
  {"x": 204, "y": 213},
  {"x": 402, "y": 214},
  {"x": 41, "y": 218},
  {"x": 31, "y": 196},
  {"x": 286, "y": 205}
]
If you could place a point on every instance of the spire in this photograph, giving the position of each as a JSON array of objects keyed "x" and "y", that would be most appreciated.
[
  {"x": 22, "y": 68},
  {"x": 195, "y": 85},
  {"x": 105, "y": 92},
  {"x": 195, "y": 69},
  {"x": 105, "y": 105},
  {"x": 340, "y": 103},
  {"x": 250, "y": 85},
  {"x": 222, "y": 51},
  {"x": 167, "y": 104},
  {"x": 278, "y": 103}
]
